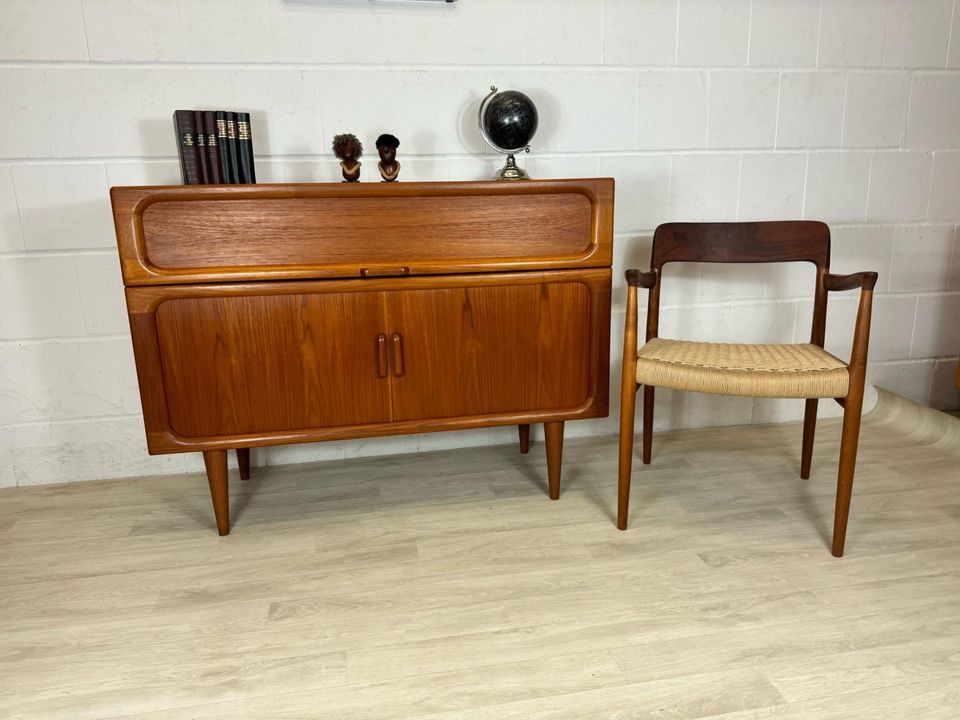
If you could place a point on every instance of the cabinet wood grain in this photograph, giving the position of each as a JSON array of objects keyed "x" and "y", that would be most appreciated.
[
  {"x": 220, "y": 233},
  {"x": 499, "y": 359},
  {"x": 237, "y": 365}
]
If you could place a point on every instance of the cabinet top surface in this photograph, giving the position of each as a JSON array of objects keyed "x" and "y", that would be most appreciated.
[{"x": 500, "y": 187}]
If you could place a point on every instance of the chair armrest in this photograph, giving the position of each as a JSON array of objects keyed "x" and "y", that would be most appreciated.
[
  {"x": 861, "y": 330},
  {"x": 636, "y": 278},
  {"x": 862, "y": 280}
]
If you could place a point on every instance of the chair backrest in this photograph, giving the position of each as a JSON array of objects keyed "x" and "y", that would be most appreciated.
[{"x": 748, "y": 242}]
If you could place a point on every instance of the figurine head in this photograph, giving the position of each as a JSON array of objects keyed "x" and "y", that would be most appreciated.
[
  {"x": 347, "y": 146},
  {"x": 387, "y": 147}
]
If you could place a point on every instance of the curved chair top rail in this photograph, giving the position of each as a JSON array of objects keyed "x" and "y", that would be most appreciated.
[{"x": 735, "y": 242}]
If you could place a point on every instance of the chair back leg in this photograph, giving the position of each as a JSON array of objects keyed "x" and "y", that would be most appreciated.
[
  {"x": 647, "y": 423},
  {"x": 809, "y": 428},
  {"x": 848, "y": 459}
]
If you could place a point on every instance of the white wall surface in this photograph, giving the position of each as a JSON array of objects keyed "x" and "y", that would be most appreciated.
[{"x": 846, "y": 111}]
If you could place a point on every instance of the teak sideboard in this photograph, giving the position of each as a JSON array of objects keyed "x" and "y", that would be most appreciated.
[{"x": 275, "y": 314}]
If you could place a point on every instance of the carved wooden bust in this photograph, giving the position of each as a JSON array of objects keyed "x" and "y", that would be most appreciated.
[
  {"x": 387, "y": 148},
  {"x": 348, "y": 149}
]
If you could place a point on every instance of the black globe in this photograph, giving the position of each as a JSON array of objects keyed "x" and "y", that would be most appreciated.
[{"x": 510, "y": 120}]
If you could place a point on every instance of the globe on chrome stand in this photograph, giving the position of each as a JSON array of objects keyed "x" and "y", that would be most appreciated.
[{"x": 508, "y": 122}]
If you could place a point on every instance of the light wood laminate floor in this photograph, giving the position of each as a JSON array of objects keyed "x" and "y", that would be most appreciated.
[{"x": 446, "y": 585}]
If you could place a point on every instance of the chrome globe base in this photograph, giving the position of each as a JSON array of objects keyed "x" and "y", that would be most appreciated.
[{"x": 511, "y": 171}]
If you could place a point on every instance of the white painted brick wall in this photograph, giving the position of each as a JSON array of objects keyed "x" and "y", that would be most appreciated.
[{"x": 842, "y": 110}]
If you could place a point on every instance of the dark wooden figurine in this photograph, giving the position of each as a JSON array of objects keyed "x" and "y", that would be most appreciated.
[
  {"x": 348, "y": 149},
  {"x": 388, "y": 166}
]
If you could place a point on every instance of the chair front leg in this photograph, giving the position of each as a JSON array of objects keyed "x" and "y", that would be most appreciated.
[
  {"x": 848, "y": 459},
  {"x": 628, "y": 408},
  {"x": 628, "y": 400},
  {"x": 853, "y": 404}
]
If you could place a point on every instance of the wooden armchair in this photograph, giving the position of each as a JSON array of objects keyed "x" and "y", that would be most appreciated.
[{"x": 787, "y": 371}]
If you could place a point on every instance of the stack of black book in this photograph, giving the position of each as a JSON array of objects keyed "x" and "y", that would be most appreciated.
[{"x": 215, "y": 147}]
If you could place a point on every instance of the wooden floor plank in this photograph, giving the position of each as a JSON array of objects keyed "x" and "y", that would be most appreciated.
[{"x": 445, "y": 585}]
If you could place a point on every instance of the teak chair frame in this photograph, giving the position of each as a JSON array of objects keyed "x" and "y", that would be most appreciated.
[{"x": 760, "y": 242}]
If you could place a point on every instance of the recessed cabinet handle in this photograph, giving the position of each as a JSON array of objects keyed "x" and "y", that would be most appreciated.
[
  {"x": 381, "y": 355},
  {"x": 397, "y": 355},
  {"x": 384, "y": 272}
]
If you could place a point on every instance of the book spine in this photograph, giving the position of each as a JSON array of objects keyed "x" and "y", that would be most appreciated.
[
  {"x": 200, "y": 139},
  {"x": 245, "y": 149},
  {"x": 232, "y": 148},
  {"x": 185, "y": 128},
  {"x": 213, "y": 148},
  {"x": 223, "y": 147}
]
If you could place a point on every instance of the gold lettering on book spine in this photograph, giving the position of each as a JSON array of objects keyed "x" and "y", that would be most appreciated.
[
  {"x": 243, "y": 130},
  {"x": 231, "y": 130},
  {"x": 222, "y": 128}
]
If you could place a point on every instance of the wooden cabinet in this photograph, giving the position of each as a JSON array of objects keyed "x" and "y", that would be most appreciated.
[{"x": 266, "y": 315}]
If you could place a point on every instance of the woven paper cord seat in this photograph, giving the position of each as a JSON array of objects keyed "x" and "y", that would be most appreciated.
[{"x": 781, "y": 371}]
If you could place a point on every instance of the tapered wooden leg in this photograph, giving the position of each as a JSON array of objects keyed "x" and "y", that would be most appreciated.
[
  {"x": 216, "y": 463},
  {"x": 809, "y": 428},
  {"x": 628, "y": 408},
  {"x": 554, "y": 436},
  {"x": 524, "y": 438},
  {"x": 243, "y": 461},
  {"x": 848, "y": 461},
  {"x": 647, "y": 423}
]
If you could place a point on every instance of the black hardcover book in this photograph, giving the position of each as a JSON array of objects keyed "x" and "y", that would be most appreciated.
[
  {"x": 245, "y": 149},
  {"x": 214, "y": 176},
  {"x": 232, "y": 149},
  {"x": 223, "y": 148},
  {"x": 186, "y": 131},
  {"x": 200, "y": 139}
]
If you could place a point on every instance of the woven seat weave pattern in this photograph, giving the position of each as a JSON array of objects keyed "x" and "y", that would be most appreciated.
[{"x": 782, "y": 371}]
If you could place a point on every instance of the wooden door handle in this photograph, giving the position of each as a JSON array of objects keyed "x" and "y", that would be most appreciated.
[
  {"x": 397, "y": 353},
  {"x": 381, "y": 355}
]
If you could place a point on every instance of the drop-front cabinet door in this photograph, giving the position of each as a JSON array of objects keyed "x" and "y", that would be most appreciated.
[
  {"x": 539, "y": 344},
  {"x": 251, "y": 364}
]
